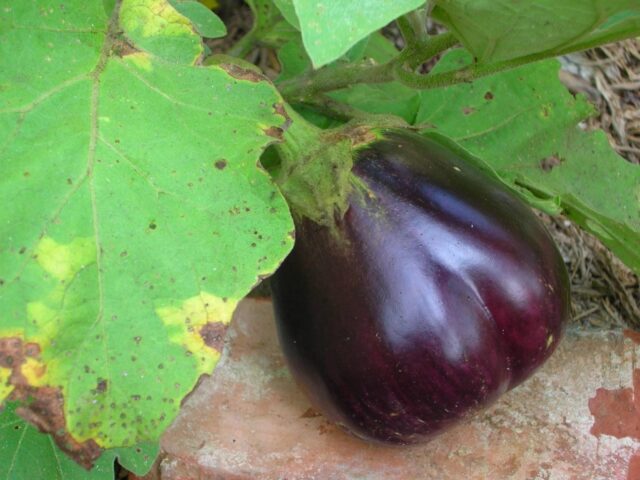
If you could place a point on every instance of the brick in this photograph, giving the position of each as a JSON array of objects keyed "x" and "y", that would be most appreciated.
[{"x": 250, "y": 421}]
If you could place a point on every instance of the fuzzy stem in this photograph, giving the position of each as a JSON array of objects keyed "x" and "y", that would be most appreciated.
[
  {"x": 342, "y": 76},
  {"x": 407, "y": 31},
  {"x": 462, "y": 75},
  {"x": 418, "y": 21}
]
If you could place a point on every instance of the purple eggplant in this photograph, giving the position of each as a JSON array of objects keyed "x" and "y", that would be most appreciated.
[{"x": 438, "y": 291}]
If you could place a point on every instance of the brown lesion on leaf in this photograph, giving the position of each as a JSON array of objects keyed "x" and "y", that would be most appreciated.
[
  {"x": 32, "y": 350},
  {"x": 552, "y": 161},
  {"x": 120, "y": 47},
  {"x": 242, "y": 73},
  {"x": 102, "y": 385},
  {"x": 220, "y": 164},
  {"x": 468, "y": 110},
  {"x": 212, "y": 334},
  {"x": 42, "y": 406},
  {"x": 274, "y": 132},
  {"x": 279, "y": 109}
]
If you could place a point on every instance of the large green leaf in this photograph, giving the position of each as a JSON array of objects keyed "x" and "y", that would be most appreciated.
[
  {"x": 135, "y": 214},
  {"x": 495, "y": 30},
  {"x": 524, "y": 124},
  {"x": 332, "y": 27},
  {"x": 25, "y": 453}
]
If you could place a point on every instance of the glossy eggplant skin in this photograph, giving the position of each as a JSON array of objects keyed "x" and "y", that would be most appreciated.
[{"x": 437, "y": 292}]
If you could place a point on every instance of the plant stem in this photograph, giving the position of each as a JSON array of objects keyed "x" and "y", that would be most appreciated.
[
  {"x": 341, "y": 76},
  {"x": 407, "y": 31},
  {"x": 427, "y": 49},
  {"x": 417, "y": 19},
  {"x": 243, "y": 46},
  {"x": 465, "y": 74},
  {"x": 332, "y": 108}
]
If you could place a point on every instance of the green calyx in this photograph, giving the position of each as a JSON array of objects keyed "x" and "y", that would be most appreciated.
[
  {"x": 314, "y": 165},
  {"x": 314, "y": 170}
]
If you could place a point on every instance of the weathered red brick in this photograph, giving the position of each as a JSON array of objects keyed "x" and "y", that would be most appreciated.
[{"x": 250, "y": 421}]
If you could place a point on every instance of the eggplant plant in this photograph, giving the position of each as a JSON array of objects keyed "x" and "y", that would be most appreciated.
[{"x": 150, "y": 180}]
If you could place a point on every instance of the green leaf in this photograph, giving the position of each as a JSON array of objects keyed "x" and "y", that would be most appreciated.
[
  {"x": 25, "y": 453},
  {"x": 524, "y": 124},
  {"x": 293, "y": 60},
  {"x": 155, "y": 27},
  {"x": 288, "y": 12},
  {"x": 139, "y": 215},
  {"x": 497, "y": 30},
  {"x": 269, "y": 28},
  {"x": 332, "y": 27},
  {"x": 206, "y": 23}
]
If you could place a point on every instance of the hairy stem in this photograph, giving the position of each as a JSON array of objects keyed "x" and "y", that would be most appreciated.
[
  {"x": 406, "y": 29},
  {"x": 336, "y": 77},
  {"x": 243, "y": 46},
  {"x": 332, "y": 108},
  {"x": 465, "y": 74},
  {"x": 417, "y": 19}
]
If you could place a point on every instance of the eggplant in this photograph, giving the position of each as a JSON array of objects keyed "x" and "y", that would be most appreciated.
[{"x": 435, "y": 293}]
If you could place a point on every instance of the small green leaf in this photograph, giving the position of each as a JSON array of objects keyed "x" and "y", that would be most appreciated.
[
  {"x": 524, "y": 124},
  {"x": 155, "y": 27},
  {"x": 288, "y": 12},
  {"x": 329, "y": 29},
  {"x": 269, "y": 28},
  {"x": 25, "y": 453},
  {"x": 497, "y": 30},
  {"x": 293, "y": 60},
  {"x": 206, "y": 23}
]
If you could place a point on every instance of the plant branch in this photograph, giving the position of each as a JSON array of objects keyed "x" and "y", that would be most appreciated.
[
  {"x": 406, "y": 30},
  {"x": 336, "y": 77},
  {"x": 426, "y": 50},
  {"x": 332, "y": 108},
  {"x": 418, "y": 21},
  {"x": 469, "y": 73},
  {"x": 243, "y": 46}
]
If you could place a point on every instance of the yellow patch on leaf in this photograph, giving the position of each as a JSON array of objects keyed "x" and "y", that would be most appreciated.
[
  {"x": 186, "y": 322},
  {"x": 34, "y": 371},
  {"x": 5, "y": 387},
  {"x": 141, "y": 60},
  {"x": 154, "y": 17},
  {"x": 64, "y": 261}
]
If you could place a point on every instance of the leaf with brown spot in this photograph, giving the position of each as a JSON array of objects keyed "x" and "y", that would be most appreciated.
[
  {"x": 213, "y": 334},
  {"x": 115, "y": 261},
  {"x": 221, "y": 164},
  {"x": 547, "y": 164},
  {"x": 26, "y": 453},
  {"x": 240, "y": 73},
  {"x": 275, "y": 132}
]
